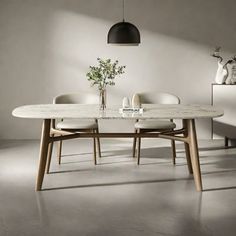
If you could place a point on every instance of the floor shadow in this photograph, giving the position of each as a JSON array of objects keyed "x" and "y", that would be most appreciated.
[
  {"x": 115, "y": 162},
  {"x": 215, "y": 148},
  {"x": 103, "y": 151},
  {"x": 229, "y": 162},
  {"x": 219, "y": 189},
  {"x": 156, "y": 152},
  {"x": 76, "y": 154},
  {"x": 155, "y": 163},
  {"x": 164, "y": 155},
  {"x": 226, "y": 162},
  {"x": 111, "y": 153},
  {"x": 218, "y": 172},
  {"x": 73, "y": 162},
  {"x": 69, "y": 171},
  {"x": 118, "y": 183},
  {"x": 208, "y": 149}
]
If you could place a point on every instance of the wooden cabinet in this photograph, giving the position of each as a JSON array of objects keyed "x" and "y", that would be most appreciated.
[{"x": 224, "y": 96}]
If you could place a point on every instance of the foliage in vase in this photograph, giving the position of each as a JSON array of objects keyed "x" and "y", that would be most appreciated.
[
  {"x": 105, "y": 73},
  {"x": 216, "y": 54}
]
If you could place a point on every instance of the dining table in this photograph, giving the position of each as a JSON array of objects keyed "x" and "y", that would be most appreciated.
[{"x": 186, "y": 133}]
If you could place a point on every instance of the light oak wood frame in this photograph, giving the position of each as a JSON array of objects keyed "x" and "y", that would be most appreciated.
[
  {"x": 187, "y": 135},
  {"x": 59, "y": 147},
  {"x": 138, "y": 150},
  {"x": 159, "y": 98}
]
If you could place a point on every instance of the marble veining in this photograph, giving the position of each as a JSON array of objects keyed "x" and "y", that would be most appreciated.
[{"x": 85, "y": 111}]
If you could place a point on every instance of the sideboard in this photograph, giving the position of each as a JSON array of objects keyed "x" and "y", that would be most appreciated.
[{"x": 224, "y": 96}]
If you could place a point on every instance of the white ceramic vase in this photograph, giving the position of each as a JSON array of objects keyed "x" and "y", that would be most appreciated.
[
  {"x": 221, "y": 73},
  {"x": 136, "y": 101},
  {"x": 125, "y": 102}
]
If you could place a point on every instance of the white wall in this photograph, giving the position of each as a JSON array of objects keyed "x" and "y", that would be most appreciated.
[{"x": 47, "y": 46}]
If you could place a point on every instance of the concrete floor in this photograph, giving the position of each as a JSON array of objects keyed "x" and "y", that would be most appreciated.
[{"x": 117, "y": 197}]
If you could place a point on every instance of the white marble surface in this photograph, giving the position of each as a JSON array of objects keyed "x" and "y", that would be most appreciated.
[{"x": 151, "y": 111}]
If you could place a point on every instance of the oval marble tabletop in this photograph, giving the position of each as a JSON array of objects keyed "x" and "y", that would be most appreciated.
[{"x": 151, "y": 111}]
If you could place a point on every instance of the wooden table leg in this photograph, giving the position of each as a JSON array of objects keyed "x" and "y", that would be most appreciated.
[
  {"x": 50, "y": 149},
  {"x": 59, "y": 148},
  {"x": 187, "y": 151},
  {"x": 189, "y": 163},
  {"x": 193, "y": 148},
  {"x": 43, "y": 153}
]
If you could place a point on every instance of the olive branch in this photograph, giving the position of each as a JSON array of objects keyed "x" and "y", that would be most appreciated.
[{"x": 105, "y": 73}]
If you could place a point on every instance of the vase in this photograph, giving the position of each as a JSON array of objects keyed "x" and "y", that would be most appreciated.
[
  {"x": 231, "y": 79},
  {"x": 136, "y": 101},
  {"x": 221, "y": 74},
  {"x": 125, "y": 102},
  {"x": 102, "y": 99}
]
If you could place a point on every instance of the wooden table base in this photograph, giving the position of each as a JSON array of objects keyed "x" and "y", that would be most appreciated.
[
  {"x": 43, "y": 153},
  {"x": 187, "y": 135}
]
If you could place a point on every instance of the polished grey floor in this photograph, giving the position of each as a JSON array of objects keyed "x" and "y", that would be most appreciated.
[{"x": 117, "y": 197}]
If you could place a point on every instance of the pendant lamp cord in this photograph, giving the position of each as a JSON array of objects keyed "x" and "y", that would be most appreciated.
[{"x": 123, "y": 10}]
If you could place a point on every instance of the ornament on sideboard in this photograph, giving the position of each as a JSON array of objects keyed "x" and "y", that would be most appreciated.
[
  {"x": 125, "y": 102},
  {"x": 136, "y": 101},
  {"x": 222, "y": 73},
  {"x": 233, "y": 72}
]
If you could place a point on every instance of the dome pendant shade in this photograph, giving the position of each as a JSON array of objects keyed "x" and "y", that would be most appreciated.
[{"x": 124, "y": 33}]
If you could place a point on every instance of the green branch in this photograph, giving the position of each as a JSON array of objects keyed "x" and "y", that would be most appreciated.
[{"x": 105, "y": 73}]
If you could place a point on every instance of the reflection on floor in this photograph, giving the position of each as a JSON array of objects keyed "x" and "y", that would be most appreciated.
[{"x": 117, "y": 197}]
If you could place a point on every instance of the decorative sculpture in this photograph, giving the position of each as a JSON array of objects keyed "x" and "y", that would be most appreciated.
[{"x": 222, "y": 73}]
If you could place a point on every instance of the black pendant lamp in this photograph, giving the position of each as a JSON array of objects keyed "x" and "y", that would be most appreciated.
[{"x": 124, "y": 33}]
